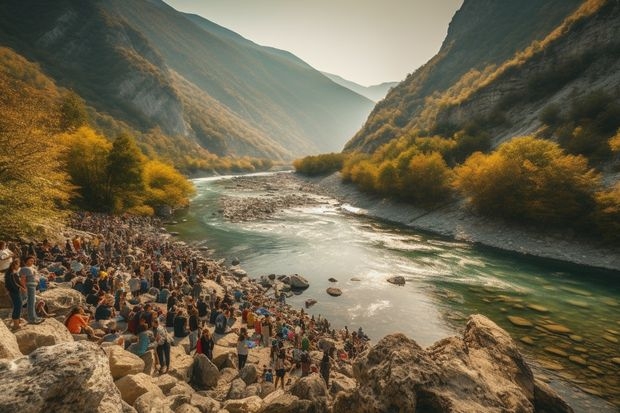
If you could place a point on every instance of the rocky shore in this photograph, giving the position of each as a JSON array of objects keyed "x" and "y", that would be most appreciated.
[{"x": 45, "y": 368}]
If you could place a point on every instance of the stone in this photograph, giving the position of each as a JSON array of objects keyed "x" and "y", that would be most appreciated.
[
  {"x": 150, "y": 362},
  {"x": 578, "y": 360},
  {"x": 339, "y": 382},
  {"x": 247, "y": 405},
  {"x": 149, "y": 402},
  {"x": 186, "y": 408},
  {"x": 538, "y": 308},
  {"x": 298, "y": 282},
  {"x": 9, "y": 348},
  {"x": 123, "y": 362},
  {"x": 62, "y": 299},
  {"x": 178, "y": 400},
  {"x": 520, "y": 321},
  {"x": 48, "y": 333},
  {"x": 252, "y": 390},
  {"x": 547, "y": 400},
  {"x": 281, "y": 402},
  {"x": 482, "y": 371},
  {"x": 577, "y": 303},
  {"x": 334, "y": 292},
  {"x": 204, "y": 404},
  {"x": 237, "y": 388},
  {"x": 226, "y": 359},
  {"x": 576, "y": 338},
  {"x": 235, "y": 261},
  {"x": 556, "y": 351},
  {"x": 610, "y": 338},
  {"x": 616, "y": 360},
  {"x": 165, "y": 382},
  {"x": 332, "y": 280},
  {"x": 266, "y": 388},
  {"x": 312, "y": 388},
  {"x": 135, "y": 385},
  {"x": 63, "y": 378},
  {"x": 527, "y": 340},
  {"x": 181, "y": 388},
  {"x": 205, "y": 374},
  {"x": 557, "y": 328},
  {"x": 397, "y": 280},
  {"x": 249, "y": 373},
  {"x": 355, "y": 279},
  {"x": 180, "y": 363}
]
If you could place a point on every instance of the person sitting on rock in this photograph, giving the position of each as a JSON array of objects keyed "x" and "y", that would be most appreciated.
[
  {"x": 140, "y": 347},
  {"x": 104, "y": 310},
  {"x": 77, "y": 323},
  {"x": 180, "y": 325}
]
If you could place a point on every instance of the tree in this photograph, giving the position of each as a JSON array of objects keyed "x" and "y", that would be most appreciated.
[
  {"x": 124, "y": 170},
  {"x": 165, "y": 186},
  {"x": 427, "y": 179},
  {"x": 72, "y": 112},
  {"x": 86, "y": 157}
]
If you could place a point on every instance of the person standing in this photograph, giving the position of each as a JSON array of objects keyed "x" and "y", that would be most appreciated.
[
  {"x": 325, "y": 366},
  {"x": 15, "y": 287},
  {"x": 163, "y": 346},
  {"x": 242, "y": 348},
  {"x": 279, "y": 367},
  {"x": 205, "y": 344},
  {"x": 29, "y": 278}
]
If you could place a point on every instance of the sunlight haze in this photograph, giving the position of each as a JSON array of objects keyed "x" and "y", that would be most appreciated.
[{"x": 368, "y": 42}]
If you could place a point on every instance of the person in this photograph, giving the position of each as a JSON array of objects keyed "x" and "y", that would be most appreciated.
[
  {"x": 77, "y": 323},
  {"x": 162, "y": 340},
  {"x": 105, "y": 309},
  {"x": 6, "y": 257},
  {"x": 113, "y": 335},
  {"x": 279, "y": 367},
  {"x": 29, "y": 278},
  {"x": 194, "y": 327},
  {"x": 326, "y": 365},
  {"x": 242, "y": 348},
  {"x": 180, "y": 325},
  {"x": 15, "y": 288},
  {"x": 140, "y": 347},
  {"x": 203, "y": 311},
  {"x": 266, "y": 331},
  {"x": 221, "y": 321},
  {"x": 268, "y": 376},
  {"x": 205, "y": 344},
  {"x": 305, "y": 364}
]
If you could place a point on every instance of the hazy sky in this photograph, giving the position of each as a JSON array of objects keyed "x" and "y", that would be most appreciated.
[{"x": 366, "y": 41}]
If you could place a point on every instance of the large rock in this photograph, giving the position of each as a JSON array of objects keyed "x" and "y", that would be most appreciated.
[
  {"x": 397, "y": 280},
  {"x": 69, "y": 377},
  {"x": 249, "y": 373},
  {"x": 312, "y": 388},
  {"x": 123, "y": 362},
  {"x": 149, "y": 402},
  {"x": 481, "y": 372},
  {"x": 205, "y": 404},
  {"x": 180, "y": 363},
  {"x": 135, "y": 385},
  {"x": 281, "y": 402},
  {"x": 9, "y": 349},
  {"x": 248, "y": 405},
  {"x": 298, "y": 282},
  {"x": 62, "y": 299},
  {"x": 48, "y": 333},
  {"x": 150, "y": 362},
  {"x": 204, "y": 373},
  {"x": 237, "y": 389}
]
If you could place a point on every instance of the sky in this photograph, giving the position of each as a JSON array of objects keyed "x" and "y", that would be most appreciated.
[{"x": 365, "y": 41}]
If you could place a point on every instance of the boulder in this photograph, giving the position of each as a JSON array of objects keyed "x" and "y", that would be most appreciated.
[
  {"x": 204, "y": 404},
  {"x": 186, "y": 408},
  {"x": 249, "y": 373},
  {"x": 482, "y": 371},
  {"x": 48, "y": 333},
  {"x": 248, "y": 405},
  {"x": 332, "y": 280},
  {"x": 252, "y": 390},
  {"x": 62, "y": 299},
  {"x": 339, "y": 382},
  {"x": 204, "y": 373},
  {"x": 150, "y": 362},
  {"x": 178, "y": 400},
  {"x": 182, "y": 388},
  {"x": 64, "y": 378},
  {"x": 9, "y": 348},
  {"x": 266, "y": 388},
  {"x": 281, "y": 402},
  {"x": 180, "y": 363},
  {"x": 334, "y": 292},
  {"x": 149, "y": 402},
  {"x": 237, "y": 389},
  {"x": 226, "y": 359},
  {"x": 165, "y": 382},
  {"x": 298, "y": 282},
  {"x": 312, "y": 388},
  {"x": 397, "y": 280},
  {"x": 135, "y": 385},
  {"x": 123, "y": 362}
]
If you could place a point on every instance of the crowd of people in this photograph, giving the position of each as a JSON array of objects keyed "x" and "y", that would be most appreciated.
[{"x": 144, "y": 291}]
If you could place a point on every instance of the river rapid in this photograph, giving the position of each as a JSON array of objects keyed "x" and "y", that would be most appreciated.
[{"x": 565, "y": 318}]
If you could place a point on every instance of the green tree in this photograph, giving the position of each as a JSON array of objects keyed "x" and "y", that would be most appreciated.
[
  {"x": 124, "y": 169},
  {"x": 73, "y": 112}
]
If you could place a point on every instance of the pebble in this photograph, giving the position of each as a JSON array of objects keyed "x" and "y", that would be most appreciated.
[
  {"x": 595, "y": 369},
  {"x": 581, "y": 349},
  {"x": 580, "y": 304},
  {"x": 576, "y": 338},
  {"x": 610, "y": 338},
  {"x": 578, "y": 360},
  {"x": 520, "y": 321},
  {"x": 527, "y": 340},
  {"x": 616, "y": 360},
  {"x": 556, "y": 351},
  {"x": 557, "y": 328},
  {"x": 551, "y": 365},
  {"x": 334, "y": 292},
  {"x": 539, "y": 308},
  {"x": 355, "y": 279}
]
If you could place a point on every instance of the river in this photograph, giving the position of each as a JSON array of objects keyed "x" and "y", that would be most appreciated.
[{"x": 445, "y": 281}]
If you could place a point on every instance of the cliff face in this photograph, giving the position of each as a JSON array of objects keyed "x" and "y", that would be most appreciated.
[
  {"x": 482, "y": 35},
  {"x": 583, "y": 57}
]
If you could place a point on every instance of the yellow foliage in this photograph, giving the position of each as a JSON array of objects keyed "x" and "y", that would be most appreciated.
[
  {"x": 165, "y": 185},
  {"x": 614, "y": 142}
]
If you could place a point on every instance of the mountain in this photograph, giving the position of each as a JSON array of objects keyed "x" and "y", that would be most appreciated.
[
  {"x": 482, "y": 36},
  {"x": 374, "y": 93},
  {"x": 154, "y": 68}
]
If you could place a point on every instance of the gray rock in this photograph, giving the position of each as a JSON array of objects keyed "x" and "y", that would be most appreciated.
[
  {"x": 334, "y": 292},
  {"x": 205, "y": 374},
  {"x": 237, "y": 389},
  {"x": 9, "y": 349},
  {"x": 65, "y": 378},
  {"x": 249, "y": 373},
  {"x": 397, "y": 280}
]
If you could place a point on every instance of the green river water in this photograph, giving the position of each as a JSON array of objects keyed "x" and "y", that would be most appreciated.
[{"x": 570, "y": 315}]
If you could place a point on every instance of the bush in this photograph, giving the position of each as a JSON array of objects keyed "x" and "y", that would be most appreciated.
[{"x": 320, "y": 164}]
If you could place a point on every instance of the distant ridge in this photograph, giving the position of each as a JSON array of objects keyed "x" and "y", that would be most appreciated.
[{"x": 374, "y": 93}]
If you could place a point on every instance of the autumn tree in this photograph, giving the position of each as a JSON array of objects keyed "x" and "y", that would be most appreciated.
[
  {"x": 165, "y": 186},
  {"x": 124, "y": 169}
]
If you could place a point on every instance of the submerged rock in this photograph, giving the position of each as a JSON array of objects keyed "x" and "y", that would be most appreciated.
[
  {"x": 520, "y": 321},
  {"x": 334, "y": 292},
  {"x": 397, "y": 280}
]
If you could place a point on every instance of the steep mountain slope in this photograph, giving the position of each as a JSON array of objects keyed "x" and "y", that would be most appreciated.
[
  {"x": 483, "y": 33},
  {"x": 153, "y": 67},
  {"x": 374, "y": 92}
]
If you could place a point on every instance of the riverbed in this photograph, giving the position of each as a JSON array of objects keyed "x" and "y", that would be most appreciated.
[{"x": 564, "y": 317}]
